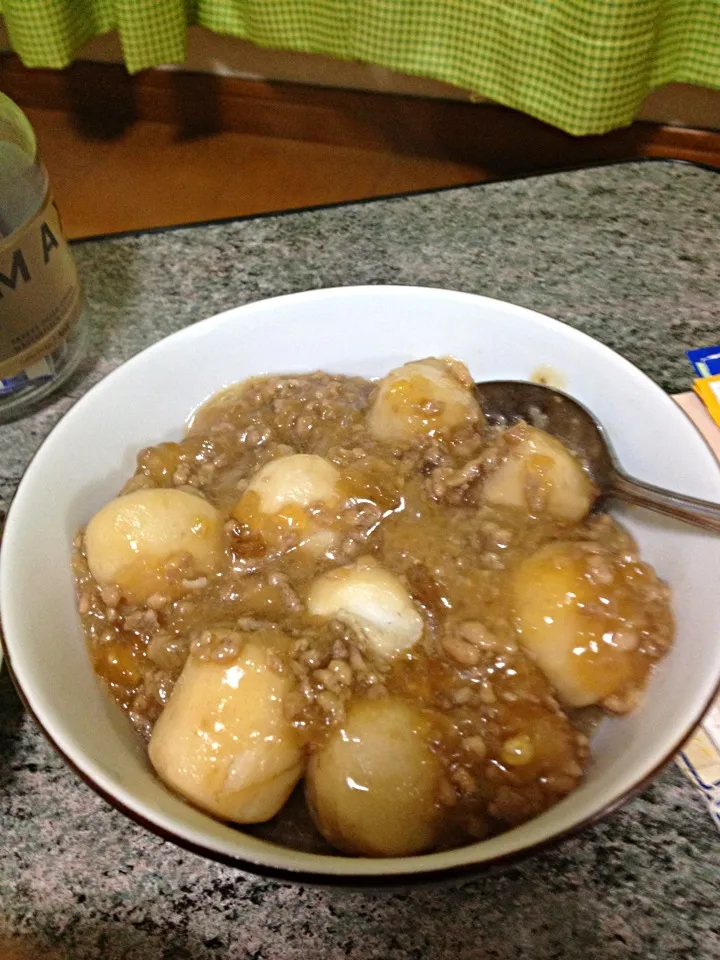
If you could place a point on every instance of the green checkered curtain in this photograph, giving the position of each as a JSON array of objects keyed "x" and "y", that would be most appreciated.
[{"x": 582, "y": 65}]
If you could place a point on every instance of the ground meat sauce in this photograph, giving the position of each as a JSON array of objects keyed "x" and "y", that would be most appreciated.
[{"x": 505, "y": 747}]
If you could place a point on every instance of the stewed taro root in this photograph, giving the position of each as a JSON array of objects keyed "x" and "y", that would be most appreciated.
[{"x": 359, "y": 606}]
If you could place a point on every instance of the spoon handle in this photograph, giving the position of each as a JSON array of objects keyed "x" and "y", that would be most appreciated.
[{"x": 700, "y": 513}]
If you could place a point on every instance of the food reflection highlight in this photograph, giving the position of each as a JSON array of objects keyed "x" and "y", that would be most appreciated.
[{"x": 367, "y": 589}]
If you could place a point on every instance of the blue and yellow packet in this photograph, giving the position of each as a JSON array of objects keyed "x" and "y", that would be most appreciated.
[
  {"x": 700, "y": 757},
  {"x": 706, "y": 364},
  {"x": 705, "y": 361}
]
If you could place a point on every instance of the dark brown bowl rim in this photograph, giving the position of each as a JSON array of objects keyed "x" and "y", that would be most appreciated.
[{"x": 348, "y": 881}]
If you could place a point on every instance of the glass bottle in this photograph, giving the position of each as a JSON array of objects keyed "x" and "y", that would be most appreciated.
[{"x": 42, "y": 323}]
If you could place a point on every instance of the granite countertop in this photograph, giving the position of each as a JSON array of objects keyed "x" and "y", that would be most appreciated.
[{"x": 629, "y": 254}]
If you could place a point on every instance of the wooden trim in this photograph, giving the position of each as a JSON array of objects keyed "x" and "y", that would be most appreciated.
[{"x": 105, "y": 99}]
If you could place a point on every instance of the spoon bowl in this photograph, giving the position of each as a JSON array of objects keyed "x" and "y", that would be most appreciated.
[{"x": 507, "y": 401}]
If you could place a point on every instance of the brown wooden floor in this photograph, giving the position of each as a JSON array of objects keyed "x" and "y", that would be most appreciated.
[
  {"x": 168, "y": 147},
  {"x": 149, "y": 175}
]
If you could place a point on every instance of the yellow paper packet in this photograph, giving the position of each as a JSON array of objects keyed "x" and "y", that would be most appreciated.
[{"x": 708, "y": 389}]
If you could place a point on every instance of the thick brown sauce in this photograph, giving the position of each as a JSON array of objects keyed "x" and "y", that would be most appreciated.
[{"x": 508, "y": 750}]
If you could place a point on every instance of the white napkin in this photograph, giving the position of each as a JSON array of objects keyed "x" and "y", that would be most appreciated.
[{"x": 699, "y": 759}]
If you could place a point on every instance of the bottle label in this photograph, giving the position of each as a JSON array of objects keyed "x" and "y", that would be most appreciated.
[{"x": 40, "y": 294}]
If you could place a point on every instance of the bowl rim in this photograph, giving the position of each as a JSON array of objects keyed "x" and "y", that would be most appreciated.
[
  {"x": 375, "y": 880},
  {"x": 379, "y": 881}
]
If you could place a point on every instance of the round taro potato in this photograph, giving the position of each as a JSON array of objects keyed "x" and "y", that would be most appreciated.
[
  {"x": 423, "y": 398},
  {"x": 372, "y": 601},
  {"x": 130, "y": 541},
  {"x": 540, "y": 475},
  {"x": 223, "y": 741},
  {"x": 575, "y": 611},
  {"x": 373, "y": 786},
  {"x": 279, "y": 498}
]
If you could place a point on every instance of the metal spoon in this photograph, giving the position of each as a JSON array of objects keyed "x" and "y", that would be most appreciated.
[{"x": 506, "y": 401}]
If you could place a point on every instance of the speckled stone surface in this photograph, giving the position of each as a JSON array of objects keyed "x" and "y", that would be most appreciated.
[{"x": 629, "y": 254}]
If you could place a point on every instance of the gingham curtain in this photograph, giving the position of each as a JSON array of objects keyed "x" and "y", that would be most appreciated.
[{"x": 582, "y": 65}]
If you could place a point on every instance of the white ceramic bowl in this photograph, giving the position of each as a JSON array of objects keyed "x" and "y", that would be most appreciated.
[{"x": 366, "y": 331}]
